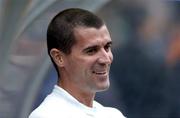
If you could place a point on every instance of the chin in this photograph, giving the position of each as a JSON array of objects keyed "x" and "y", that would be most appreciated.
[{"x": 103, "y": 88}]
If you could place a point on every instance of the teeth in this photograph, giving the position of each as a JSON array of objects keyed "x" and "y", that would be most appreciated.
[{"x": 99, "y": 72}]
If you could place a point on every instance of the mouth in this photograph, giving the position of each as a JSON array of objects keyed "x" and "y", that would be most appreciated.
[{"x": 100, "y": 73}]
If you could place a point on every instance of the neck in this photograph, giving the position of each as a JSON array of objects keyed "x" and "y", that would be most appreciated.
[{"x": 81, "y": 95}]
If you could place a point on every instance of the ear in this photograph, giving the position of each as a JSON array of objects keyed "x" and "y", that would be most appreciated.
[{"x": 57, "y": 56}]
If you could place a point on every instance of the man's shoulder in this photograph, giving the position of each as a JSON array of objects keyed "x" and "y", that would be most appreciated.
[
  {"x": 50, "y": 107},
  {"x": 49, "y": 111}
]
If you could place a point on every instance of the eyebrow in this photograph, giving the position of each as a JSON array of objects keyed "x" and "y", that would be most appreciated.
[
  {"x": 90, "y": 47},
  {"x": 96, "y": 46},
  {"x": 109, "y": 43}
]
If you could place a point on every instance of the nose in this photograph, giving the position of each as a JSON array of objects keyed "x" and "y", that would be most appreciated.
[{"x": 106, "y": 57}]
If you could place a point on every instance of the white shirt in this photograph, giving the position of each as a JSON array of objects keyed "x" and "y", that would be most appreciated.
[{"x": 60, "y": 104}]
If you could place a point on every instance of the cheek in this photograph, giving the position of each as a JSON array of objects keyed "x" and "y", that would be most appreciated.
[
  {"x": 111, "y": 56},
  {"x": 71, "y": 65},
  {"x": 78, "y": 65},
  {"x": 81, "y": 65}
]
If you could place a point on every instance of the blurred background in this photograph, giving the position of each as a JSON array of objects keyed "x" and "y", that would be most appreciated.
[{"x": 145, "y": 74}]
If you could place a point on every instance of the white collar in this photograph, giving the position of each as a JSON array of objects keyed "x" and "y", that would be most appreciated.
[{"x": 59, "y": 91}]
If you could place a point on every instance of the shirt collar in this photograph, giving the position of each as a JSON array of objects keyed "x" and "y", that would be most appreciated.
[{"x": 68, "y": 97}]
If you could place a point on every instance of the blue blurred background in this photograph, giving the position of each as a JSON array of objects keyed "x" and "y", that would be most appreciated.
[{"x": 145, "y": 74}]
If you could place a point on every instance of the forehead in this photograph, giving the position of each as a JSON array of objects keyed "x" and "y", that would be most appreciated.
[{"x": 86, "y": 36}]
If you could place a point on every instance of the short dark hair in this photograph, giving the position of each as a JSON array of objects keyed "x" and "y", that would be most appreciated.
[{"x": 60, "y": 33}]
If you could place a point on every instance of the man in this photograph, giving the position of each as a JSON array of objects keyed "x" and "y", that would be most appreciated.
[{"x": 79, "y": 46}]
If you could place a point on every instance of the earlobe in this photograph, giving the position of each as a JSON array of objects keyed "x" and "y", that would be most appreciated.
[{"x": 57, "y": 57}]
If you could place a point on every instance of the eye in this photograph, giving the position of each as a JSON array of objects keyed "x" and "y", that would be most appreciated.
[
  {"x": 91, "y": 51},
  {"x": 108, "y": 47}
]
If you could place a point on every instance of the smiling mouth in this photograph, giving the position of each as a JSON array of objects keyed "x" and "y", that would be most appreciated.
[{"x": 100, "y": 73}]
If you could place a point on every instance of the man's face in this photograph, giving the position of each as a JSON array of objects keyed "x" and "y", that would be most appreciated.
[{"x": 88, "y": 64}]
